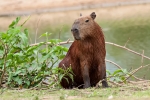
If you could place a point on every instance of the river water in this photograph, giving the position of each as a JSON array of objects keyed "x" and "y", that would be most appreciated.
[{"x": 120, "y": 24}]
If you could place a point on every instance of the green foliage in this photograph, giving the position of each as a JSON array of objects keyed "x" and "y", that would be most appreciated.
[
  {"x": 22, "y": 65},
  {"x": 58, "y": 74},
  {"x": 118, "y": 75}
]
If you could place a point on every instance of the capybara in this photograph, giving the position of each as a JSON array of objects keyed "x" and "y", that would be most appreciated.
[{"x": 86, "y": 55}]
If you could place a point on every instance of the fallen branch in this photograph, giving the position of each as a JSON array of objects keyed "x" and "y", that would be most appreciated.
[
  {"x": 127, "y": 49},
  {"x": 123, "y": 47},
  {"x": 113, "y": 63},
  {"x": 139, "y": 79},
  {"x": 115, "y": 83},
  {"x": 133, "y": 72}
]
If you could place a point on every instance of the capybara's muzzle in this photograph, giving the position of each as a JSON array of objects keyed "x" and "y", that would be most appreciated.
[
  {"x": 74, "y": 30},
  {"x": 75, "y": 33}
]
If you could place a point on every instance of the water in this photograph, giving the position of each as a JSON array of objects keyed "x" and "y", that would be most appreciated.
[
  {"x": 137, "y": 31},
  {"x": 118, "y": 27}
]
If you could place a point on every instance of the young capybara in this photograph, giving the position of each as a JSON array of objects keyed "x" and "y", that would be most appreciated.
[{"x": 86, "y": 55}]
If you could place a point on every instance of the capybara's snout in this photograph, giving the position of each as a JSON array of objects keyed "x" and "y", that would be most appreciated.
[
  {"x": 74, "y": 30},
  {"x": 75, "y": 33}
]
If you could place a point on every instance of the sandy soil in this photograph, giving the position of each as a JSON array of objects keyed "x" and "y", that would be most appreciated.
[
  {"x": 24, "y": 5},
  {"x": 58, "y": 18}
]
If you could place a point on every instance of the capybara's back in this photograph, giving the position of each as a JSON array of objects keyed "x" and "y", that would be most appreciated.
[{"x": 86, "y": 55}]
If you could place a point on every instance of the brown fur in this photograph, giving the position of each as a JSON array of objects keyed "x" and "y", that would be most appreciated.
[{"x": 86, "y": 55}]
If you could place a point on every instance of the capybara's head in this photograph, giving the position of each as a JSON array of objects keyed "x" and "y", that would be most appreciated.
[{"x": 83, "y": 27}]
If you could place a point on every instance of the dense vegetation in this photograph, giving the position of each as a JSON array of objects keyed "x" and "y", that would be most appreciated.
[{"x": 25, "y": 65}]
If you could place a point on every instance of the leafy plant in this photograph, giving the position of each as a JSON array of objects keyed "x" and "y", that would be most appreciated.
[
  {"x": 25, "y": 65},
  {"x": 118, "y": 75},
  {"x": 58, "y": 74}
]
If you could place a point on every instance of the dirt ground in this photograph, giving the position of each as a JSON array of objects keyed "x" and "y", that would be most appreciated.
[{"x": 8, "y": 6}]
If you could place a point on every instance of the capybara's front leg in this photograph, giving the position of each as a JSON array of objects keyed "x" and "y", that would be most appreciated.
[
  {"x": 104, "y": 83},
  {"x": 86, "y": 77}
]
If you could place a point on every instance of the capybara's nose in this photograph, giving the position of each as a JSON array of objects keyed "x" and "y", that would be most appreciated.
[{"x": 75, "y": 30}]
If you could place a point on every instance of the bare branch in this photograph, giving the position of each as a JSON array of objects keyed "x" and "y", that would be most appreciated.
[
  {"x": 139, "y": 79},
  {"x": 113, "y": 63},
  {"x": 123, "y": 47},
  {"x": 127, "y": 49},
  {"x": 134, "y": 71}
]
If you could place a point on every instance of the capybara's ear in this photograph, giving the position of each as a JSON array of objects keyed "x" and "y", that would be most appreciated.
[{"x": 93, "y": 15}]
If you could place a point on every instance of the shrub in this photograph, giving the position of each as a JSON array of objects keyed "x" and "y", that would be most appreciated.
[{"x": 25, "y": 65}]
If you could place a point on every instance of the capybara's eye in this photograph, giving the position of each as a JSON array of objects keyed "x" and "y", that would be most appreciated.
[{"x": 87, "y": 20}]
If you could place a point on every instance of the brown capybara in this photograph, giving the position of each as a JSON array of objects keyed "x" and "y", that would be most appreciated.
[{"x": 86, "y": 55}]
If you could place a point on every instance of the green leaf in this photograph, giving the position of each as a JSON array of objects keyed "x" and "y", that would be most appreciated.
[
  {"x": 51, "y": 84},
  {"x": 71, "y": 76},
  {"x": 61, "y": 77},
  {"x": 117, "y": 79},
  {"x": 125, "y": 71},
  {"x": 4, "y": 36},
  {"x": 109, "y": 73},
  {"x": 45, "y": 34},
  {"x": 117, "y": 71},
  {"x": 61, "y": 56},
  {"x": 20, "y": 54},
  {"x": 17, "y": 72},
  {"x": 45, "y": 57},
  {"x": 15, "y": 22},
  {"x": 122, "y": 78},
  {"x": 1, "y": 53},
  {"x": 27, "y": 82},
  {"x": 31, "y": 49},
  {"x": 12, "y": 24},
  {"x": 10, "y": 76},
  {"x": 55, "y": 41},
  {"x": 66, "y": 79},
  {"x": 26, "y": 32},
  {"x": 23, "y": 38},
  {"x": 19, "y": 81}
]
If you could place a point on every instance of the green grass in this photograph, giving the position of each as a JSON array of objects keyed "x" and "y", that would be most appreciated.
[{"x": 128, "y": 92}]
